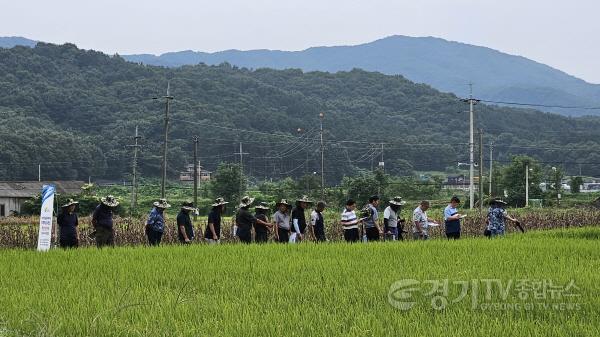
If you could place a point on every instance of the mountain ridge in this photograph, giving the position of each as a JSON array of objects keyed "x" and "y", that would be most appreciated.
[
  {"x": 54, "y": 98},
  {"x": 426, "y": 60}
]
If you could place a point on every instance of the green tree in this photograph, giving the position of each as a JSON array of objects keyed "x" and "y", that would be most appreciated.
[
  {"x": 576, "y": 183},
  {"x": 555, "y": 176},
  {"x": 228, "y": 182},
  {"x": 513, "y": 179},
  {"x": 361, "y": 186}
]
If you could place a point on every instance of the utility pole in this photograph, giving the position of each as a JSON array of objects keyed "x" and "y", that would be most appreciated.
[
  {"x": 39, "y": 172},
  {"x": 321, "y": 115},
  {"x": 472, "y": 103},
  {"x": 195, "y": 174},
  {"x": 168, "y": 98},
  {"x": 382, "y": 164},
  {"x": 372, "y": 158},
  {"x": 480, "y": 170},
  {"x": 307, "y": 187},
  {"x": 491, "y": 165},
  {"x": 526, "y": 185},
  {"x": 134, "y": 171},
  {"x": 382, "y": 168},
  {"x": 241, "y": 153}
]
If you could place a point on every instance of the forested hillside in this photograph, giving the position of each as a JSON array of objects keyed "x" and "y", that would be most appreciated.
[
  {"x": 445, "y": 65},
  {"x": 75, "y": 112}
]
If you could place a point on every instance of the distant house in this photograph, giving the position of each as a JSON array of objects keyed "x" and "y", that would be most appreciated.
[
  {"x": 188, "y": 174},
  {"x": 14, "y": 193},
  {"x": 455, "y": 180}
]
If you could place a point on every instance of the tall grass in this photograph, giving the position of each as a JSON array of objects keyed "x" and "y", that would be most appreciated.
[{"x": 22, "y": 232}]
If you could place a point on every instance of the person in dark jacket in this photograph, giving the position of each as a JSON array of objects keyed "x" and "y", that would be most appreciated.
[
  {"x": 262, "y": 226},
  {"x": 372, "y": 231},
  {"x": 212, "y": 234},
  {"x": 244, "y": 220},
  {"x": 185, "y": 229},
  {"x": 67, "y": 223},
  {"x": 102, "y": 221},
  {"x": 298, "y": 226},
  {"x": 155, "y": 226},
  {"x": 317, "y": 223}
]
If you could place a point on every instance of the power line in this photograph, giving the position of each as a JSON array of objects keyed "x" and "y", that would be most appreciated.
[{"x": 543, "y": 105}]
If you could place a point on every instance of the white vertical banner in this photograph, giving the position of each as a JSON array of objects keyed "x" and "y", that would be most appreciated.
[{"x": 46, "y": 213}]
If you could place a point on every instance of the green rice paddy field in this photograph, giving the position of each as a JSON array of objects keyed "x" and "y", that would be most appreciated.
[{"x": 536, "y": 284}]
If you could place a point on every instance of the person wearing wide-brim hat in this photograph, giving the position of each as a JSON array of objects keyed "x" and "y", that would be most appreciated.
[
  {"x": 391, "y": 219},
  {"x": 185, "y": 229},
  {"x": 102, "y": 221},
  {"x": 244, "y": 220},
  {"x": 155, "y": 226},
  {"x": 68, "y": 222},
  {"x": 298, "y": 226},
  {"x": 496, "y": 219},
  {"x": 212, "y": 234},
  {"x": 282, "y": 221},
  {"x": 262, "y": 226}
]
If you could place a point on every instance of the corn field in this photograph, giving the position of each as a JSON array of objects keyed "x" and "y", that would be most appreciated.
[{"x": 22, "y": 232}]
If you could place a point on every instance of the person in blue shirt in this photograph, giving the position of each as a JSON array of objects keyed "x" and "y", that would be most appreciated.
[
  {"x": 497, "y": 217},
  {"x": 452, "y": 219},
  {"x": 155, "y": 226}
]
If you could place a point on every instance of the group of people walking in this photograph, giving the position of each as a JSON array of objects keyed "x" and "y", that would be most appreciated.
[{"x": 287, "y": 225}]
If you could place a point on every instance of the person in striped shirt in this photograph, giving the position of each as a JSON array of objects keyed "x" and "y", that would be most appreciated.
[{"x": 350, "y": 222}]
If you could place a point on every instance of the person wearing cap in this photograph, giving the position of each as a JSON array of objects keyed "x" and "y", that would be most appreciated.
[
  {"x": 350, "y": 222},
  {"x": 390, "y": 218},
  {"x": 102, "y": 221},
  {"x": 452, "y": 219},
  {"x": 282, "y": 221},
  {"x": 185, "y": 229},
  {"x": 212, "y": 234},
  {"x": 496, "y": 218},
  {"x": 421, "y": 221},
  {"x": 317, "y": 224},
  {"x": 68, "y": 222},
  {"x": 155, "y": 226},
  {"x": 372, "y": 229},
  {"x": 245, "y": 220},
  {"x": 299, "y": 219},
  {"x": 262, "y": 226}
]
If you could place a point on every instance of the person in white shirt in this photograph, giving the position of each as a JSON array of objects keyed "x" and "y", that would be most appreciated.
[
  {"x": 421, "y": 222},
  {"x": 390, "y": 218},
  {"x": 350, "y": 222}
]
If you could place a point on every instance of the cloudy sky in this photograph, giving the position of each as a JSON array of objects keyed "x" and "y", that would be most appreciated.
[{"x": 562, "y": 34}]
